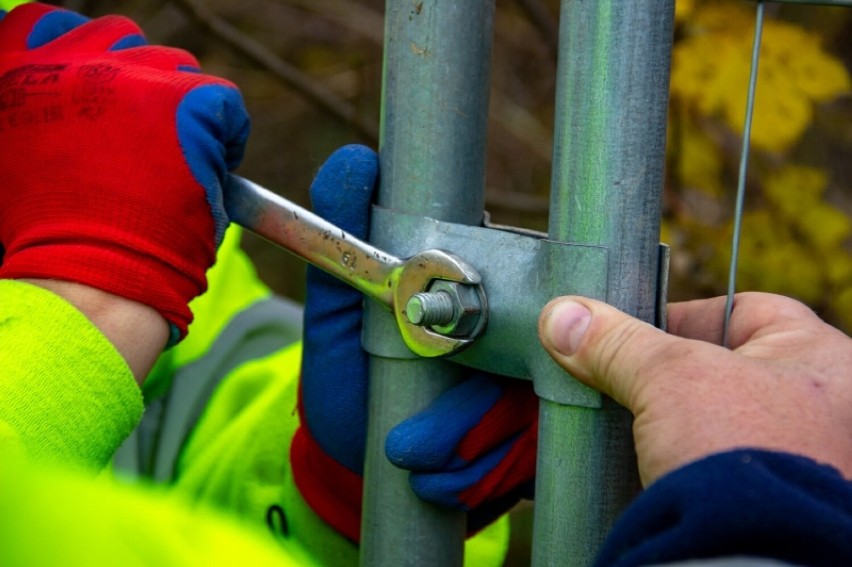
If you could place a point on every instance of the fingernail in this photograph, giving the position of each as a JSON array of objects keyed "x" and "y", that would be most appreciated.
[{"x": 566, "y": 325}]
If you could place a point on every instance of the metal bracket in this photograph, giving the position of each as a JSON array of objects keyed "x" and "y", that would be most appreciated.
[{"x": 520, "y": 273}]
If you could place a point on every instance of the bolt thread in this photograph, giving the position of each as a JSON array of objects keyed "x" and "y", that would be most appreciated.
[{"x": 430, "y": 308}]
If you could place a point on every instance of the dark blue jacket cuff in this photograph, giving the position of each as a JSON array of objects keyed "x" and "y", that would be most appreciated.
[{"x": 739, "y": 503}]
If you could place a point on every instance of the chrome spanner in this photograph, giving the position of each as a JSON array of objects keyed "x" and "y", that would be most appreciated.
[{"x": 397, "y": 284}]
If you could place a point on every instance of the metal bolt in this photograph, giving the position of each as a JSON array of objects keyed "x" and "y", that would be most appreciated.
[
  {"x": 448, "y": 308},
  {"x": 429, "y": 308}
]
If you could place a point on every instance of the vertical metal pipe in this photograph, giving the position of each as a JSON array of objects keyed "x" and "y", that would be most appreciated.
[
  {"x": 609, "y": 146},
  {"x": 432, "y": 153}
]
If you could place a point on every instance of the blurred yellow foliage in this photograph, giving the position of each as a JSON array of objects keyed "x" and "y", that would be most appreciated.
[
  {"x": 711, "y": 69},
  {"x": 794, "y": 189},
  {"x": 700, "y": 161},
  {"x": 791, "y": 246},
  {"x": 793, "y": 240},
  {"x": 796, "y": 193},
  {"x": 683, "y": 9},
  {"x": 843, "y": 304},
  {"x": 773, "y": 259}
]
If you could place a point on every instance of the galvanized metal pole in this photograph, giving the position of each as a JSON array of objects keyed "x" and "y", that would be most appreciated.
[
  {"x": 609, "y": 146},
  {"x": 432, "y": 151}
]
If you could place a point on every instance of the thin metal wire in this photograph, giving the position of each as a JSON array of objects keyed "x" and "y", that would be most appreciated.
[{"x": 741, "y": 182}]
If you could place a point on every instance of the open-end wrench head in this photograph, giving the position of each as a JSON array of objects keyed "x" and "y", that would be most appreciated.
[{"x": 417, "y": 273}]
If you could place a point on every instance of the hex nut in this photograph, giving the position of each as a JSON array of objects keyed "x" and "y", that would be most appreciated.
[{"x": 467, "y": 308}]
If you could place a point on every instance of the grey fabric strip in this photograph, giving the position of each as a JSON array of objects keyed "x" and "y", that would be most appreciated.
[{"x": 152, "y": 450}]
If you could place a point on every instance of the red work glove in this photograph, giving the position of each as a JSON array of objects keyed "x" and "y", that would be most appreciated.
[{"x": 113, "y": 156}]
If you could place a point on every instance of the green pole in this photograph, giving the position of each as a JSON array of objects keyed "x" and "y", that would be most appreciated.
[
  {"x": 609, "y": 148},
  {"x": 432, "y": 157}
]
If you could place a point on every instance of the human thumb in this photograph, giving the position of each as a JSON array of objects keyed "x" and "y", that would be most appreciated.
[{"x": 601, "y": 346}]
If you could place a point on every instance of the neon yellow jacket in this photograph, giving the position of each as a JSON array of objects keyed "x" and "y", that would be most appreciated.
[{"x": 224, "y": 488}]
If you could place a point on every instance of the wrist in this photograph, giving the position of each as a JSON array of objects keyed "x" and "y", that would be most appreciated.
[
  {"x": 332, "y": 491},
  {"x": 136, "y": 330},
  {"x": 159, "y": 268}
]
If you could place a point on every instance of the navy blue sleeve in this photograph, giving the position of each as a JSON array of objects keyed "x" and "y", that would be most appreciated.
[{"x": 739, "y": 503}]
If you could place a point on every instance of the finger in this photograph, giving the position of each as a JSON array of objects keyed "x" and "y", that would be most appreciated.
[
  {"x": 101, "y": 34},
  {"x": 130, "y": 41},
  {"x": 515, "y": 469},
  {"x": 752, "y": 313},
  {"x": 343, "y": 188},
  {"x": 216, "y": 109},
  {"x": 605, "y": 348},
  {"x": 341, "y": 193},
  {"x": 701, "y": 319},
  {"x": 485, "y": 514},
  {"x": 168, "y": 59},
  {"x": 334, "y": 367},
  {"x": 213, "y": 126},
  {"x": 495, "y": 474},
  {"x": 515, "y": 411},
  {"x": 428, "y": 440},
  {"x": 756, "y": 314},
  {"x": 30, "y": 26}
]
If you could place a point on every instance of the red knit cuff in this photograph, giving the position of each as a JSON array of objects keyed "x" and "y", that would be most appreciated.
[
  {"x": 330, "y": 489},
  {"x": 118, "y": 269}
]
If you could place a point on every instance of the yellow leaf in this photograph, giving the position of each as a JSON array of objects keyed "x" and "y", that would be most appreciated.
[
  {"x": 785, "y": 268},
  {"x": 843, "y": 306},
  {"x": 683, "y": 9},
  {"x": 794, "y": 189},
  {"x": 839, "y": 269},
  {"x": 711, "y": 66},
  {"x": 800, "y": 56},
  {"x": 826, "y": 227},
  {"x": 728, "y": 17},
  {"x": 781, "y": 112},
  {"x": 699, "y": 73},
  {"x": 699, "y": 161},
  {"x": 768, "y": 255}
]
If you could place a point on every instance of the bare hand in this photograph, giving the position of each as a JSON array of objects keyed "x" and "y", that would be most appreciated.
[{"x": 786, "y": 383}]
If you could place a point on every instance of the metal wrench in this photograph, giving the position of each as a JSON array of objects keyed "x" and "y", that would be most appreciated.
[{"x": 400, "y": 285}]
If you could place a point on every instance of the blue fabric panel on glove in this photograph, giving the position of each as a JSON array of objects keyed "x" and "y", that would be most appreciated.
[
  {"x": 52, "y": 25},
  {"x": 135, "y": 40},
  {"x": 739, "y": 503},
  {"x": 205, "y": 116},
  {"x": 334, "y": 369},
  {"x": 428, "y": 440},
  {"x": 444, "y": 488}
]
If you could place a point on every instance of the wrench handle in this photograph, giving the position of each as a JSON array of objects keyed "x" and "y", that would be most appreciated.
[{"x": 312, "y": 238}]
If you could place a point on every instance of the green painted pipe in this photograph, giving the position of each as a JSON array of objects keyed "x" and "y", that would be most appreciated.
[
  {"x": 432, "y": 158},
  {"x": 609, "y": 147}
]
